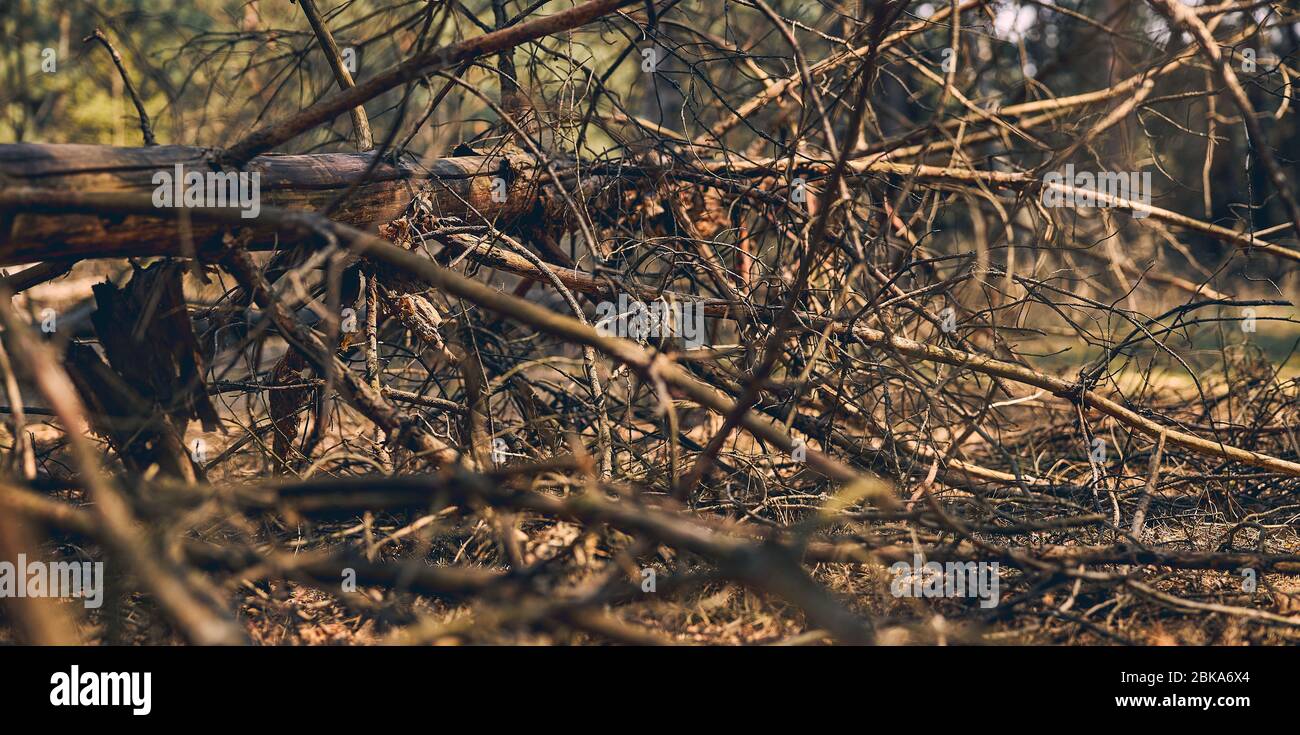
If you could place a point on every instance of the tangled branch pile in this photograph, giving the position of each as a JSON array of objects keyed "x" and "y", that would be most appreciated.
[{"x": 671, "y": 321}]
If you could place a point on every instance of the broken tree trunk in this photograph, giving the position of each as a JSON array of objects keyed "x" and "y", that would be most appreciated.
[
  {"x": 464, "y": 187},
  {"x": 146, "y": 334},
  {"x": 152, "y": 384}
]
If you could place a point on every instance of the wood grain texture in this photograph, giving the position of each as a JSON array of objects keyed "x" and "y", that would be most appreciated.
[{"x": 459, "y": 186}]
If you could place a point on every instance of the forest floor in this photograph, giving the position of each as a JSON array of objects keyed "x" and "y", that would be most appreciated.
[{"x": 1198, "y": 514}]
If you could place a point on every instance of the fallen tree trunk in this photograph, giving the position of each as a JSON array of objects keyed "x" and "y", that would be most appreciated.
[{"x": 462, "y": 186}]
